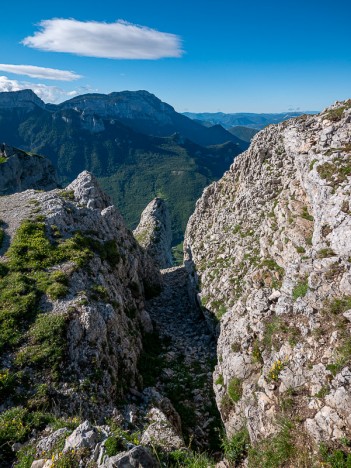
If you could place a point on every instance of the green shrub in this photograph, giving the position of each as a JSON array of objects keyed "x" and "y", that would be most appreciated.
[
  {"x": 312, "y": 163},
  {"x": 18, "y": 300},
  {"x": 25, "y": 456}
]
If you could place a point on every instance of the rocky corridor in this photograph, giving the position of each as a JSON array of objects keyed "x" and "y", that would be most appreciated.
[{"x": 184, "y": 359}]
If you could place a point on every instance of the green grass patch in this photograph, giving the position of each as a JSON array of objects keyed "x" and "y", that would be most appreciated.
[
  {"x": 334, "y": 115},
  {"x": 177, "y": 254},
  {"x": 305, "y": 214},
  {"x": 113, "y": 445},
  {"x": 235, "y": 389},
  {"x": 312, "y": 163},
  {"x": 300, "y": 290},
  {"x": 220, "y": 380},
  {"x": 325, "y": 253},
  {"x": 46, "y": 342},
  {"x": 339, "y": 305},
  {"x": 278, "y": 271},
  {"x": 236, "y": 447},
  {"x": 67, "y": 194},
  {"x": 337, "y": 458},
  {"x": 275, "y": 451},
  {"x": 16, "y": 424}
]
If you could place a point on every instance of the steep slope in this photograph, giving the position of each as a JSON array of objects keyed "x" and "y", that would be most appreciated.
[
  {"x": 269, "y": 248},
  {"x": 20, "y": 171},
  {"x": 86, "y": 377},
  {"x": 73, "y": 286},
  {"x": 133, "y": 167}
]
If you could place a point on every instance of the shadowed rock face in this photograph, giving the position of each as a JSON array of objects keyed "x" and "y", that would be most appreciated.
[
  {"x": 20, "y": 171},
  {"x": 25, "y": 99},
  {"x": 154, "y": 232},
  {"x": 270, "y": 246}
]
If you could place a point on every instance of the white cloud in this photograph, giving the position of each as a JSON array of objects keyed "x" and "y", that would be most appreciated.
[
  {"x": 40, "y": 72},
  {"x": 51, "y": 94},
  {"x": 119, "y": 40}
]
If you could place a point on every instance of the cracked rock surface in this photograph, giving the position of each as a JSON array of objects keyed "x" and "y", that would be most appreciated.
[{"x": 269, "y": 247}]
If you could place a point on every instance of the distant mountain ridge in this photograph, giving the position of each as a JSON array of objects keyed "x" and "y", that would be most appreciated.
[
  {"x": 138, "y": 146},
  {"x": 140, "y": 110},
  {"x": 246, "y": 119}
]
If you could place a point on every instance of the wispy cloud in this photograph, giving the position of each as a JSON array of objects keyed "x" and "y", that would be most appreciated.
[
  {"x": 119, "y": 40},
  {"x": 51, "y": 94},
  {"x": 40, "y": 72}
]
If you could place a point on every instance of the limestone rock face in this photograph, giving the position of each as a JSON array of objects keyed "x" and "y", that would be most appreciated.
[
  {"x": 20, "y": 171},
  {"x": 269, "y": 246},
  {"x": 123, "y": 105},
  {"x": 154, "y": 232},
  {"x": 103, "y": 302}
]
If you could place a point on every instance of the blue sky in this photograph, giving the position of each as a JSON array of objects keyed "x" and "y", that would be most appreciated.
[{"x": 223, "y": 55}]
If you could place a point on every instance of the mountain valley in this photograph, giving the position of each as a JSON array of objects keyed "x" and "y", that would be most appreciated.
[{"x": 136, "y": 145}]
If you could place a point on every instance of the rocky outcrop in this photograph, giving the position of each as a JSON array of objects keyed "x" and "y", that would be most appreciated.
[
  {"x": 20, "y": 171},
  {"x": 269, "y": 249},
  {"x": 90, "y": 445},
  {"x": 90, "y": 279},
  {"x": 154, "y": 232}
]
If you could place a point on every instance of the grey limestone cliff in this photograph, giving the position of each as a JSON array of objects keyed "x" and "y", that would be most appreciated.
[
  {"x": 154, "y": 232},
  {"x": 269, "y": 247}
]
